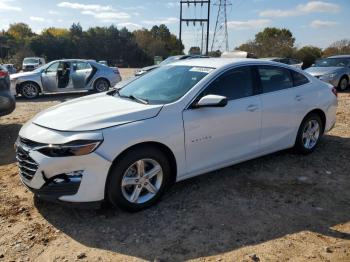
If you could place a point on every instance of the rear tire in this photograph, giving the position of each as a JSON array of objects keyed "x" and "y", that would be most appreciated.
[
  {"x": 309, "y": 134},
  {"x": 132, "y": 190},
  {"x": 30, "y": 90},
  {"x": 101, "y": 85},
  {"x": 343, "y": 84}
]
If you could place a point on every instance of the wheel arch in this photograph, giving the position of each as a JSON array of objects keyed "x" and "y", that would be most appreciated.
[
  {"x": 101, "y": 77},
  {"x": 321, "y": 114},
  {"x": 344, "y": 76},
  {"x": 19, "y": 86},
  {"x": 162, "y": 147}
]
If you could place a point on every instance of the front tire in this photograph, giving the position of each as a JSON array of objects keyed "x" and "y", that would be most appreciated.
[
  {"x": 30, "y": 90},
  {"x": 101, "y": 85},
  {"x": 138, "y": 179},
  {"x": 343, "y": 84},
  {"x": 309, "y": 134}
]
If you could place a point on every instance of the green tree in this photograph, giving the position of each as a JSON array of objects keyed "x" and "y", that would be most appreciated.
[
  {"x": 271, "y": 42},
  {"x": 308, "y": 54},
  {"x": 20, "y": 31}
]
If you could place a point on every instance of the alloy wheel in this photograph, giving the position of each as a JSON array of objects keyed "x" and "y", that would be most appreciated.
[
  {"x": 102, "y": 86},
  {"x": 142, "y": 181},
  {"x": 29, "y": 90},
  {"x": 311, "y": 134},
  {"x": 343, "y": 84}
]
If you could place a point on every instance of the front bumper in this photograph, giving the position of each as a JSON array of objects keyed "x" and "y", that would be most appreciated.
[{"x": 69, "y": 179}]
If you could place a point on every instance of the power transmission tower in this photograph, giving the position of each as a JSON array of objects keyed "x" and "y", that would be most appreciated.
[
  {"x": 195, "y": 20},
  {"x": 220, "y": 37}
]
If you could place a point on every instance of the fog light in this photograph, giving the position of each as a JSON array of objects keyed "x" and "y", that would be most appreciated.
[{"x": 74, "y": 176}]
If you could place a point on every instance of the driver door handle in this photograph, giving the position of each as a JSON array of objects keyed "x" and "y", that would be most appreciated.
[{"x": 252, "y": 108}]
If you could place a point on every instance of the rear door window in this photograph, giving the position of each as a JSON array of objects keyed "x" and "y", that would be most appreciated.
[{"x": 274, "y": 78}]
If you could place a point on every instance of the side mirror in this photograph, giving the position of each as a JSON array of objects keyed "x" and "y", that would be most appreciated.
[{"x": 211, "y": 101}]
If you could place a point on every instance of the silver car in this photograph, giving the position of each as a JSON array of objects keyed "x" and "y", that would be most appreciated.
[
  {"x": 69, "y": 75},
  {"x": 334, "y": 70}
]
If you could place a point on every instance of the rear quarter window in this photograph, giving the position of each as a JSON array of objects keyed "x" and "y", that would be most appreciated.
[{"x": 298, "y": 78}]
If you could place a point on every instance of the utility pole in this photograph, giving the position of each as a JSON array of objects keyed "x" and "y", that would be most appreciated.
[
  {"x": 195, "y": 20},
  {"x": 220, "y": 37}
]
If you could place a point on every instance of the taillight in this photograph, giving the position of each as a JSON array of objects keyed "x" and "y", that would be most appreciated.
[
  {"x": 116, "y": 71},
  {"x": 3, "y": 74},
  {"x": 334, "y": 91}
]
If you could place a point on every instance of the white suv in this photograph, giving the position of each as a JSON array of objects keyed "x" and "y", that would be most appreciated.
[{"x": 178, "y": 121}]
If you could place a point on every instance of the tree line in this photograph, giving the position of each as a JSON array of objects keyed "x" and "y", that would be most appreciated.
[
  {"x": 275, "y": 42},
  {"x": 117, "y": 46},
  {"x": 123, "y": 48}
]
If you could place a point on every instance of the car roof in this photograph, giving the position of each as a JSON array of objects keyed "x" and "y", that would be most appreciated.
[
  {"x": 220, "y": 62},
  {"x": 339, "y": 56}
]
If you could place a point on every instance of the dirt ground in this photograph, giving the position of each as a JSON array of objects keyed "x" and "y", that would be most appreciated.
[{"x": 282, "y": 207}]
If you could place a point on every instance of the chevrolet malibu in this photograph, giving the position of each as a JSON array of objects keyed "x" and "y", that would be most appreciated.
[{"x": 184, "y": 119}]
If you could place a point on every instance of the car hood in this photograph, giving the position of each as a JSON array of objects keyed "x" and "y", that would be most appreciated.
[
  {"x": 318, "y": 71},
  {"x": 22, "y": 74},
  {"x": 94, "y": 112}
]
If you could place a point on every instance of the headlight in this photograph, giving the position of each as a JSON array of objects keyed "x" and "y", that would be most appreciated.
[
  {"x": 75, "y": 148},
  {"x": 329, "y": 76}
]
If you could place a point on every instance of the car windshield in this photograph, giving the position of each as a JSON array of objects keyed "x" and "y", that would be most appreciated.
[
  {"x": 165, "y": 84},
  {"x": 327, "y": 62},
  {"x": 30, "y": 60}
]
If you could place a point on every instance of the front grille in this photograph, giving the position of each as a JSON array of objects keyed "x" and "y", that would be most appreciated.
[{"x": 27, "y": 165}]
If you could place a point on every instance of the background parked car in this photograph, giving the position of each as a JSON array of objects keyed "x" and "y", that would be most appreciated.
[
  {"x": 69, "y": 75},
  {"x": 7, "y": 101},
  {"x": 334, "y": 70},
  {"x": 167, "y": 61},
  {"x": 10, "y": 68},
  {"x": 31, "y": 63},
  {"x": 288, "y": 61}
]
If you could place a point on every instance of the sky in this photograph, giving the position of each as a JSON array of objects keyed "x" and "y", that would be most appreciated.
[{"x": 316, "y": 23}]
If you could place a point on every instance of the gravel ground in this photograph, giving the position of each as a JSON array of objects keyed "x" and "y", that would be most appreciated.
[{"x": 282, "y": 207}]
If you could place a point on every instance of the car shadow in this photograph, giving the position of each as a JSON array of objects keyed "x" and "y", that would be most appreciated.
[
  {"x": 245, "y": 204},
  {"x": 9, "y": 133},
  {"x": 62, "y": 97}
]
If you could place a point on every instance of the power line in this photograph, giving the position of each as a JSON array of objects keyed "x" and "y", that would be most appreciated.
[
  {"x": 201, "y": 20},
  {"x": 220, "y": 37}
]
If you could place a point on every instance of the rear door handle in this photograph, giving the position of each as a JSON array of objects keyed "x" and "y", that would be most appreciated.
[
  {"x": 298, "y": 97},
  {"x": 252, "y": 108}
]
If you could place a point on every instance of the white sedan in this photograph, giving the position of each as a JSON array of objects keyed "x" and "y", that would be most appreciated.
[{"x": 127, "y": 146}]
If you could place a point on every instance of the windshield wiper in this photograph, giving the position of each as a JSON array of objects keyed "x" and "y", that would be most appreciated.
[
  {"x": 113, "y": 92},
  {"x": 132, "y": 97},
  {"x": 143, "y": 101}
]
